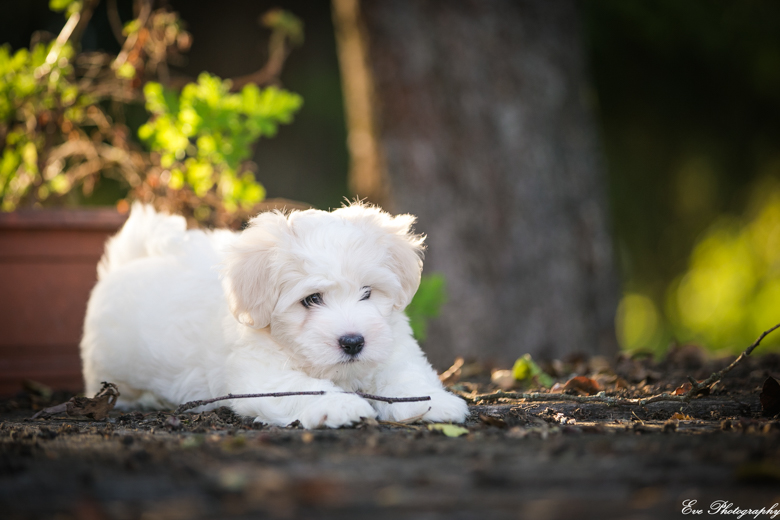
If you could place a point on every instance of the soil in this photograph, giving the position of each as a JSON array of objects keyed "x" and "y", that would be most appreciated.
[{"x": 519, "y": 459}]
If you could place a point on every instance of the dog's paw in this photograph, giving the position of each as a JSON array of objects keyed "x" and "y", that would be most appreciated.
[
  {"x": 334, "y": 411},
  {"x": 443, "y": 407}
]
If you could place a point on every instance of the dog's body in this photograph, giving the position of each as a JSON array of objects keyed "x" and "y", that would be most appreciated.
[{"x": 306, "y": 302}]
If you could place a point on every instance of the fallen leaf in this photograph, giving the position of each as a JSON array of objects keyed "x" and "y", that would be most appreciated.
[
  {"x": 95, "y": 408},
  {"x": 770, "y": 397},
  {"x": 682, "y": 389},
  {"x": 450, "y": 430},
  {"x": 681, "y": 417},
  {"x": 582, "y": 385},
  {"x": 525, "y": 369},
  {"x": 492, "y": 421},
  {"x": 620, "y": 383}
]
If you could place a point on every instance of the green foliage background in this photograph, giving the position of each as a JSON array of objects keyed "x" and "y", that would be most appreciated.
[
  {"x": 25, "y": 100},
  {"x": 688, "y": 96},
  {"x": 205, "y": 134},
  {"x": 427, "y": 303}
]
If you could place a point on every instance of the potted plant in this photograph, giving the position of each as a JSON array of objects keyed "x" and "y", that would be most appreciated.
[{"x": 63, "y": 139}]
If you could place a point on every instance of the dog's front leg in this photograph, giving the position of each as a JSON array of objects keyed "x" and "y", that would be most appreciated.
[
  {"x": 332, "y": 410},
  {"x": 412, "y": 376}
]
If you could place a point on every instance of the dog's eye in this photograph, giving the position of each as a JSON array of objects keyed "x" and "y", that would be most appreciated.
[
  {"x": 366, "y": 293},
  {"x": 312, "y": 299}
]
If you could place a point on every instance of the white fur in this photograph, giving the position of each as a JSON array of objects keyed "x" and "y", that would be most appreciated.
[{"x": 181, "y": 315}]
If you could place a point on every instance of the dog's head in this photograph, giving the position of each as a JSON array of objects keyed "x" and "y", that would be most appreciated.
[{"x": 327, "y": 284}]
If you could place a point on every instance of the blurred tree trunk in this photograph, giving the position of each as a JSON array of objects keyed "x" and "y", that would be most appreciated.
[{"x": 483, "y": 130}]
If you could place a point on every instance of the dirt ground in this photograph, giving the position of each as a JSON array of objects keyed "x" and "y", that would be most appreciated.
[{"x": 519, "y": 459}]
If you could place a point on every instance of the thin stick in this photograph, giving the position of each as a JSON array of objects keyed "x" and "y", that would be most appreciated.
[
  {"x": 194, "y": 404},
  {"x": 696, "y": 388},
  {"x": 391, "y": 399},
  {"x": 605, "y": 399}
]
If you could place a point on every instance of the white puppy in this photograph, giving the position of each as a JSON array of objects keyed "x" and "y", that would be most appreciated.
[{"x": 306, "y": 302}]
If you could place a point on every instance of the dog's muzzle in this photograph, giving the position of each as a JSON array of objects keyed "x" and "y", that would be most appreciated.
[{"x": 352, "y": 344}]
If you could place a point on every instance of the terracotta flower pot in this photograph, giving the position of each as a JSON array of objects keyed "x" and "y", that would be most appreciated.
[{"x": 48, "y": 262}]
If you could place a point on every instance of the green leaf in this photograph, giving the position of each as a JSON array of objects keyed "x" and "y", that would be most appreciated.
[
  {"x": 205, "y": 133},
  {"x": 126, "y": 71},
  {"x": 60, "y": 5},
  {"x": 131, "y": 27},
  {"x": 30, "y": 156},
  {"x": 426, "y": 303},
  {"x": 450, "y": 430},
  {"x": 176, "y": 181},
  {"x": 525, "y": 369},
  {"x": 60, "y": 184},
  {"x": 286, "y": 22}
]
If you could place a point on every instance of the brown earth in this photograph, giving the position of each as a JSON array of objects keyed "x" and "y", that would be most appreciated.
[{"x": 519, "y": 459}]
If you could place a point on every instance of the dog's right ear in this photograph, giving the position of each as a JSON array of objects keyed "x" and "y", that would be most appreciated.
[{"x": 251, "y": 270}]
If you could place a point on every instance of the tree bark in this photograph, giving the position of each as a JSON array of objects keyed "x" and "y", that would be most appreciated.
[{"x": 487, "y": 136}]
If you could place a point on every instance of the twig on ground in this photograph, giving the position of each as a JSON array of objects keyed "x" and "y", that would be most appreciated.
[
  {"x": 599, "y": 398},
  {"x": 696, "y": 388},
  {"x": 391, "y": 399},
  {"x": 194, "y": 404}
]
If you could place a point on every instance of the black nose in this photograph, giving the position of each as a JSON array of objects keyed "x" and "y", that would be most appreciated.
[{"x": 352, "y": 343}]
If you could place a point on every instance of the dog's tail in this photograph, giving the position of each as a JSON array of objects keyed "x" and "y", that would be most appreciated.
[{"x": 146, "y": 233}]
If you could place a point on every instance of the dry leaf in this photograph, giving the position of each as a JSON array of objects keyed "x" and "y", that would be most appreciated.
[
  {"x": 95, "y": 408},
  {"x": 682, "y": 389},
  {"x": 681, "y": 417},
  {"x": 582, "y": 385},
  {"x": 621, "y": 383},
  {"x": 492, "y": 421}
]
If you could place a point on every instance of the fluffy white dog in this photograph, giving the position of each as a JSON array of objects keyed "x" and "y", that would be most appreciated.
[{"x": 306, "y": 302}]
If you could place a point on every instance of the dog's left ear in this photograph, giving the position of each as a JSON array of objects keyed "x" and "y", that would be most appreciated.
[
  {"x": 251, "y": 270},
  {"x": 406, "y": 254}
]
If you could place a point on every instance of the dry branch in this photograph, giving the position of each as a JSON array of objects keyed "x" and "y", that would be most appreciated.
[
  {"x": 194, "y": 404},
  {"x": 697, "y": 387}
]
